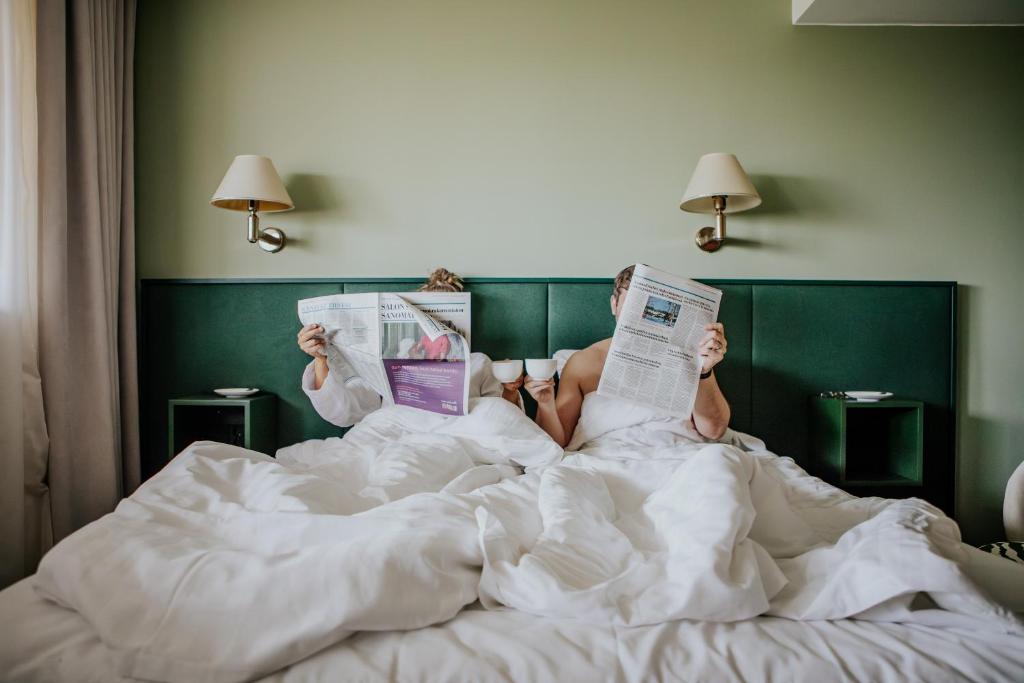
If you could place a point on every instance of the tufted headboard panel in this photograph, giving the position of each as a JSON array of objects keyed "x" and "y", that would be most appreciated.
[{"x": 788, "y": 340}]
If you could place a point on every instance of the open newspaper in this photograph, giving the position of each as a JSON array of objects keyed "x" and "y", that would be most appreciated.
[
  {"x": 412, "y": 348},
  {"x": 654, "y": 359}
]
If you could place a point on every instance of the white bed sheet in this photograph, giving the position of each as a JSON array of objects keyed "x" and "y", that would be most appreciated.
[{"x": 44, "y": 642}]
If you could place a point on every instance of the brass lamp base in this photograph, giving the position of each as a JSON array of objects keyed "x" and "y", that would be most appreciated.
[
  {"x": 708, "y": 241},
  {"x": 271, "y": 240},
  {"x": 711, "y": 239}
]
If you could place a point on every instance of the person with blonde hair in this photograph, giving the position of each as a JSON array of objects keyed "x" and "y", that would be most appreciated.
[{"x": 343, "y": 398}]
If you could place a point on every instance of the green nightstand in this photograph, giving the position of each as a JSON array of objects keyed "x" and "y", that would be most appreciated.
[
  {"x": 249, "y": 422},
  {"x": 860, "y": 444}
]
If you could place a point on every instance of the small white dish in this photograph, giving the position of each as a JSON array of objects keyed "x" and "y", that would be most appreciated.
[
  {"x": 541, "y": 368},
  {"x": 236, "y": 392},
  {"x": 868, "y": 396},
  {"x": 506, "y": 370}
]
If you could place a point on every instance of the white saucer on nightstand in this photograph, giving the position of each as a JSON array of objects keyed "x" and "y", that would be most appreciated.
[
  {"x": 236, "y": 392},
  {"x": 868, "y": 396}
]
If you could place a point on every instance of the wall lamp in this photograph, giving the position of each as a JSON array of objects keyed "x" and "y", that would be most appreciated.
[
  {"x": 719, "y": 186},
  {"x": 252, "y": 184}
]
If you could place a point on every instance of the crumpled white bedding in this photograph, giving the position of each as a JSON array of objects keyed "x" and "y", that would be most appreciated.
[
  {"x": 637, "y": 528},
  {"x": 228, "y": 564}
]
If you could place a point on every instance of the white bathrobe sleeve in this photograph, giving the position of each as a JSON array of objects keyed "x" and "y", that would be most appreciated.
[{"x": 341, "y": 401}]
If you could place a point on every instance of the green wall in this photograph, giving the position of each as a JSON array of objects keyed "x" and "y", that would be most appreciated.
[{"x": 544, "y": 138}]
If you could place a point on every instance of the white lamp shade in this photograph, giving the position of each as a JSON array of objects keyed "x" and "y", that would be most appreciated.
[
  {"x": 252, "y": 178},
  {"x": 719, "y": 175}
]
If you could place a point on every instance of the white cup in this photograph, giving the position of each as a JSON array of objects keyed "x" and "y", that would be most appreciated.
[
  {"x": 507, "y": 370},
  {"x": 541, "y": 368}
]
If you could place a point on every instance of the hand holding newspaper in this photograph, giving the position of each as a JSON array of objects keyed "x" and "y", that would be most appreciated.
[
  {"x": 653, "y": 359},
  {"x": 412, "y": 348}
]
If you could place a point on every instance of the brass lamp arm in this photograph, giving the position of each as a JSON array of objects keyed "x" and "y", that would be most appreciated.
[
  {"x": 270, "y": 240},
  {"x": 710, "y": 239}
]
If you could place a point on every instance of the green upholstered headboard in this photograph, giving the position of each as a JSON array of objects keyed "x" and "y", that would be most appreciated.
[{"x": 788, "y": 340}]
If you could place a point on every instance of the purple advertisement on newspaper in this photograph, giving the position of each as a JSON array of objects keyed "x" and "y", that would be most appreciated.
[
  {"x": 431, "y": 385},
  {"x": 426, "y": 358}
]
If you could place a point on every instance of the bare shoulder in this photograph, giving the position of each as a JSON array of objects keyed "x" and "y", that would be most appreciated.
[
  {"x": 583, "y": 360},
  {"x": 585, "y": 366}
]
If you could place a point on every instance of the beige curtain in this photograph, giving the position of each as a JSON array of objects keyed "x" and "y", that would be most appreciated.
[
  {"x": 24, "y": 519},
  {"x": 68, "y": 388},
  {"x": 87, "y": 255}
]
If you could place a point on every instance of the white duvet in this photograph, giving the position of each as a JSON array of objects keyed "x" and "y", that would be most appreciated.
[{"x": 229, "y": 564}]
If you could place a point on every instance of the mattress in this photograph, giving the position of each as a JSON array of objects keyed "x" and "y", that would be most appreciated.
[{"x": 44, "y": 642}]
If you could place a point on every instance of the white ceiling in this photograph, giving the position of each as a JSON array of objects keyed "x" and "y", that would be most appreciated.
[{"x": 909, "y": 12}]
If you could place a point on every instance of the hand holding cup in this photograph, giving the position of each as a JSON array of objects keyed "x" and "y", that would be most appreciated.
[
  {"x": 509, "y": 373},
  {"x": 539, "y": 379}
]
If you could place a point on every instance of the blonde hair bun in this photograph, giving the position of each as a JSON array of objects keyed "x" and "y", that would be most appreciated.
[{"x": 443, "y": 280}]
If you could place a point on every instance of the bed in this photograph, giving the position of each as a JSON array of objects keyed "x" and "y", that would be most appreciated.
[
  {"x": 444, "y": 620},
  {"x": 280, "y": 591}
]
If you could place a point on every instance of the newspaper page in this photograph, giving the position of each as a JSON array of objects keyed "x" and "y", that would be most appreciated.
[
  {"x": 411, "y": 348},
  {"x": 351, "y": 325},
  {"x": 425, "y": 349},
  {"x": 653, "y": 359}
]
